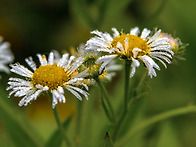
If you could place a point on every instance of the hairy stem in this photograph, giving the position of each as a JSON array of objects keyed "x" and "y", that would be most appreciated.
[
  {"x": 126, "y": 99},
  {"x": 64, "y": 136},
  {"x": 106, "y": 98}
]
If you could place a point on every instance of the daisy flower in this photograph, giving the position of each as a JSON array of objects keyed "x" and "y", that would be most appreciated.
[
  {"x": 6, "y": 56},
  {"x": 52, "y": 75},
  {"x": 132, "y": 47}
]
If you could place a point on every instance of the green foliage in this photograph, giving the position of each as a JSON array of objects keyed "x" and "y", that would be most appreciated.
[
  {"x": 107, "y": 141},
  {"x": 20, "y": 131},
  {"x": 56, "y": 138},
  {"x": 47, "y": 25}
]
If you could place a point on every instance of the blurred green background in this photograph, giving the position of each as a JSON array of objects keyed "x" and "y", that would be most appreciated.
[{"x": 40, "y": 26}]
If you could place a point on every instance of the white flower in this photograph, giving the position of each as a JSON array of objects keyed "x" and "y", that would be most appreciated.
[
  {"x": 51, "y": 75},
  {"x": 6, "y": 56},
  {"x": 132, "y": 47}
]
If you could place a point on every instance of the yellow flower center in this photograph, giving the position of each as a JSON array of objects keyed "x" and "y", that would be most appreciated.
[
  {"x": 51, "y": 76},
  {"x": 133, "y": 42}
]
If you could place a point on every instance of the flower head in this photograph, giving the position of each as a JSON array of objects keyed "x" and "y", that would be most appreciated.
[
  {"x": 132, "y": 47},
  {"x": 94, "y": 69},
  {"x": 52, "y": 75},
  {"x": 6, "y": 56}
]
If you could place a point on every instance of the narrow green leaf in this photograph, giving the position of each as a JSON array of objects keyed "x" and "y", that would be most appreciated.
[
  {"x": 152, "y": 120},
  {"x": 105, "y": 107},
  {"x": 168, "y": 136},
  {"x": 56, "y": 138},
  {"x": 20, "y": 131}
]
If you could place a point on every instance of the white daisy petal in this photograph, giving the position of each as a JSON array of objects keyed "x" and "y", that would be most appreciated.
[
  {"x": 106, "y": 58},
  {"x": 60, "y": 90},
  {"x": 163, "y": 57},
  {"x": 162, "y": 48},
  {"x": 31, "y": 63},
  {"x": 160, "y": 41},
  {"x": 82, "y": 74},
  {"x": 150, "y": 64},
  {"x": 160, "y": 61},
  {"x": 161, "y": 54},
  {"x": 74, "y": 93},
  {"x": 6, "y": 56},
  {"x": 104, "y": 50},
  {"x": 119, "y": 46},
  {"x": 73, "y": 80},
  {"x": 42, "y": 59},
  {"x": 114, "y": 67},
  {"x": 135, "y": 63},
  {"x": 135, "y": 52},
  {"x": 81, "y": 84},
  {"x": 103, "y": 66},
  {"x": 135, "y": 31},
  {"x": 79, "y": 90},
  {"x": 105, "y": 36},
  {"x": 154, "y": 37},
  {"x": 75, "y": 65},
  {"x": 25, "y": 100},
  {"x": 63, "y": 60},
  {"x": 145, "y": 33},
  {"x": 21, "y": 70},
  {"x": 116, "y": 33},
  {"x": 55, "y": 97},
  {"x": 51, "y": 58},
  {"x": 97, "y": 41},
  {"x": 67, "y": 66}
]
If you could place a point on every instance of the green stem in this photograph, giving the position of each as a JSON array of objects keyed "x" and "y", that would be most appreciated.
[
  {"x": 106, "y": 97},
  {"x": 78, "y": 122},
  {"x": 126, "y": 99},
  {"x": 141, "y": 81},
  {"x": 157, "y": 118},
  {"x": 66, "y": 139}
]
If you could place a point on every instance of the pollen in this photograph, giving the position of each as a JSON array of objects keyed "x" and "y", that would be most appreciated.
[
  {"x": 133, "y": 42},
  {"x": 51, "y": 76}
]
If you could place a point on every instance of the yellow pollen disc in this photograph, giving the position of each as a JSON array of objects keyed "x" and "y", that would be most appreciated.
[
  {"x": 50, "y": 75},
  {"x": 133, "y": 42}
]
